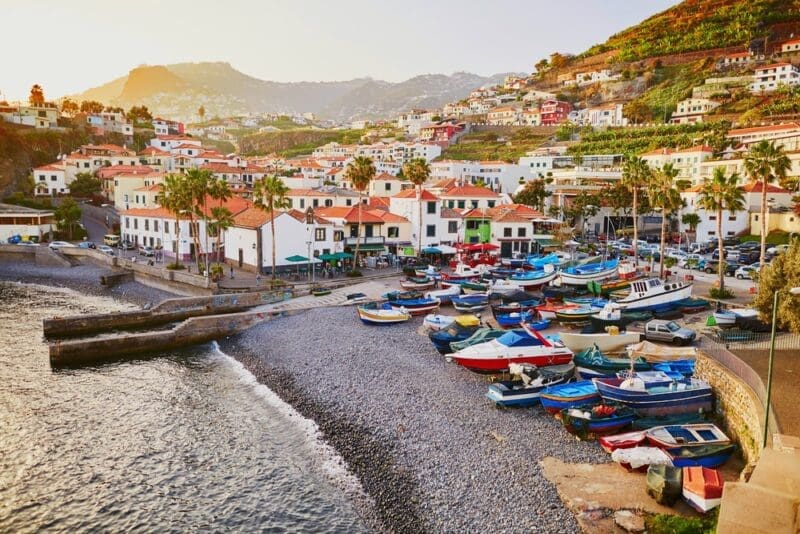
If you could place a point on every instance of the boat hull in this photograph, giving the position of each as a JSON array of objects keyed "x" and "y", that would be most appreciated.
[
  {"x": 576, "y": 279},
  {"x": 650, "y": 402},
  {"x": 605, "y": 342},
  {"x": 382, "y": 317},
  {"x": 568, "y": 396},
  {"x": 496, "y": 364},
  {"x": 657, "y": 301}
]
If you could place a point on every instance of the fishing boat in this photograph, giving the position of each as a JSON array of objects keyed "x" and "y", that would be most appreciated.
[
  {"x": 435, "y": 321},
  {"x": 548, "y": 310},
  {"x": 560, "y": 292},
  {"x": 671, "y": 436},
  {"x": 724, "y": 318},
  {"x": 528, "y": 383},
  {"x": 692, "y": 305},
  {"x": 513, "y": 347},
  {"x": 481, "y": 335},
  {"x": 640, "y": 458},
  {"x": 384, "y": 314},
  {"x": 474, "y": 287},
  {"x": 462, "y": 271},
  {"x": 653, "y": 352},
  {"x": 470, "y": 303},
  {"x": 430, "y": 271},
  {"x": 503, "y": 287},
  {"x": 416, "y": 306},
  {"x": 444, "y": 295},
  {"x": 503, "y": 307},
  {"x": 581, "y": 275},
  {"x": 622, "y": 441},
  {"x": 402, "y": 295},
  {"x": 587, "y": 422},
  {"x": 515, "y": 320},
  {"x": 665, "y": 483},
  {"x": 577, "y": 315},
  {"x": 555, "y": 259},
  {"x": 418, "y": 284},
  {"x": 592, "y": 363},
  {"x": 517, "y": 295},
  {"x": 703, "y": 456},
  {"x": 652, "y": 293},
  {"x": 656, "y": 393},
  {"x": 531, "y": 280},
  {"x": 320, "y": 291},
  {"x": 607, "y": 343},
  {"x": 605, "y": 287},
  {"x": 442, "y": 339},
  {"x": 682, "y": 367},
  {"x": 702, "y": 488},
  {"x": 584, "y": 301},
  {"x": 644, "y": 423},
  {"x": 570, "y": 395}
]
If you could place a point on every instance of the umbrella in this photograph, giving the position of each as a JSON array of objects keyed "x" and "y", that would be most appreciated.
[
  {"x": 431, "y": 250},
  {"x": 343, "y": 255},
  {"x": 296, "y": 259},
  {"x": 446, "y": 249},
  {"x": 483, "y": 247},
  {"x": 327, "y": 257}
]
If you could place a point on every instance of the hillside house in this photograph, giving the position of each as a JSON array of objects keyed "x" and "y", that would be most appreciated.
[
  {"x": 691, "y": 110},
  {"x": 769, "y": 77}
]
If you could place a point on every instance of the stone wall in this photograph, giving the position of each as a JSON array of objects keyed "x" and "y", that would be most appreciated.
[{"x": 736, "y": 403}]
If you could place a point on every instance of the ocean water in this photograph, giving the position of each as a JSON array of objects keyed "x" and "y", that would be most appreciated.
[{"x": 182, "y": 441}]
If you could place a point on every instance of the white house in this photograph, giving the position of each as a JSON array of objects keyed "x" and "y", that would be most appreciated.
[
  {"x": 50, "y": 180},
  {"x": 692, "y": 110},
  {"x": 770, "y": 77},
  {"x": 603, "y": 116},
  {"x": 497, "y": 175},
  {"x": 502, "y": 116},
  {"x": 25, "y": 222},
  {"x": 594, "y": 76},
  {"x": 110, "y": 122},
  {"x": 791, "y": 46},
  {"x": 407, "y": 205},
  {"x": 387, "y": 185}
]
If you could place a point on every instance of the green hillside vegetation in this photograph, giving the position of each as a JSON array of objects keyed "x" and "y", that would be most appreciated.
[
  {"x": 668, "y": 86},
  {"x": 638, "y": 140},
  {"x": 699, "y": 25},
  {"x": 493, "y": 146},
  {"x": 294, "y": 143}
]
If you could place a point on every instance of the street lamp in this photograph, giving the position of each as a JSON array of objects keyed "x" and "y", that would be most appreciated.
[
  {"x": 310, "y": 226},
  {"x": 794, "y": 292}
]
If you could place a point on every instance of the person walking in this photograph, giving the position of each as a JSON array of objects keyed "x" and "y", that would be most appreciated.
[{"x": 231, "y": 271}]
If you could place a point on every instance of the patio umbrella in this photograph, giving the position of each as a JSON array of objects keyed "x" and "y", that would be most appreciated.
[
  {"x": 297, "y": 259},
  {"x": 431, "y": 250},
  {"x": 343, "y": 256},
  {"x": 446, "y": 249},
  {"x": 327, "y": 257}
]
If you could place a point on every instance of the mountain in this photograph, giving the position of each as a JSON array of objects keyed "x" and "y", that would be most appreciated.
[{"x": 178, "y": 90}]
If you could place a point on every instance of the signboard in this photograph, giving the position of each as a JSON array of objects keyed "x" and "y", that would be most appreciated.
[{"x": 407, "y": 251}]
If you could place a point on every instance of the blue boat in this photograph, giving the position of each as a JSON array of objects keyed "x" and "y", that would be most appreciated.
[
  {"x": 711, "y": 456},
  {"x": 582, "y": 274},
  {"x": 538, "y": 262},
  {"x": 598, "y": 420},
  {"x": 525, "y": 392},
  {"x": 513, "y": 320},
  {"x": 470, "y": 303},
  {"x": 683, "y": 367},
  {"x": 656, "y": 393},
  {"x": 441, "y": 339},
  {"x": 557, "y": 398}
]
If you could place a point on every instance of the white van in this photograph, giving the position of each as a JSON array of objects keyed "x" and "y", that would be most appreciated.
[{"x": 111, "y": 240}]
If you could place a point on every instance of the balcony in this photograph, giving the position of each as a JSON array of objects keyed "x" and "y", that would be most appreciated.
[{"x": 374, "y": 240}]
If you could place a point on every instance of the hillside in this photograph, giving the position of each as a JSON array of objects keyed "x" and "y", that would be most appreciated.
[
  {"x": 294, "y": 142},
  {"x": 178, "y": 90}
]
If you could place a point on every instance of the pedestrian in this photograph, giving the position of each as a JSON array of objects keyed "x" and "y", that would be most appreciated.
[
  {"x": 258, "y": 279},
  {"x": 231, "y": 271}
]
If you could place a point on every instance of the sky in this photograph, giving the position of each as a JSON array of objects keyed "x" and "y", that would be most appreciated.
[{"x": 70, "y": 46}]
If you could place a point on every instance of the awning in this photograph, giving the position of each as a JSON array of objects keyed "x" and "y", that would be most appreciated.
[
  {"x": 548, "y": 242},
  {"x": 431, "y": 250},
  {"x": 370, "y": 247},
  {"x": 447, "y": 249},
  {"x": 296, "y": 258},
  {"x": 327, "y": 257},
  {"x": 343, "y": 256}
]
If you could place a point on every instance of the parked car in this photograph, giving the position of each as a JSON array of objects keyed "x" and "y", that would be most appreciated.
[
  {"x": 676, "y": 253},
  {"x": 87, "y": 244},
  {"x": 126, "y": 245},
  {"x": 777, "y": 249},
  {"x": 105, "y": 249},
  {"x": 707, "y": 266},
  {"x": 730, "y": 241},
  {"x": 668, "y": 331},
  {"x": 112, "y": 240},
  {"x": 749, "y": 245},
  {"x": 652, "y": 238},
  {"x": 647, "y": 252},
  {"x": 691, "y": 259},
  {"x": 147, "y": 251},
  {"x": 746, "y": 257},
  {"x": 56, "y": 245},
  {"x": 747, "y": 271}
]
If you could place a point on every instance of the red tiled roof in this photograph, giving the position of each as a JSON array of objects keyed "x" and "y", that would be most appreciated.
[
  {"x": 758, "y": 187},
  {"x": 350, "y": 214},
  {"x": 378, "y": 202},
  {"x": 759, "y": 129},
  {"x": 450, "y": 213},
  {"x": 697, "y": 148},
  {"x": 388, "y": 216},
  {"x": 386, "y": 176},
  {"x": 412, "y": 193},
  {"x": 301, "y": 216},
  {"x": 253, "y": 217},
  {"x": 49, "y": 167},
  {"x": 154, "y": 187},
  {"x": 470, "y": 191},
  {"x": 153, "y": 151},
  {"x": 659, "y": 152}
]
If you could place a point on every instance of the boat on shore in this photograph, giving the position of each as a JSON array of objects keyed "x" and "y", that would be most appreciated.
[
  {"x": 512, "y": 347},
  {"x": 627, "y": 440},
  {"x": 701, "y": 456},
  {"x": 531, "y": 280},
  {"x": 592, "y": 363},
  {"x": 444, "y": 295},
  {"x": 416, "y": 307},
  {"x": 671, "y": 436},
  {"x": 548, "y": 309},
  {"x": 442, "y": 339},
  {"x": 575, "y": 316},
  {"x": 600, "y": 419},
  {"x": 583, "y": 274},
  {"x": 702, "y": 488},
  {"x": 382, "y": 315},
  {"x": 435, "y": 321},
  {"x": 528, "y": 382},
  {"x": 656, "y": 393},
  {"x": 640, "y": 458},
  {"x": 417, "y": 284},
  {"x": 481, "y": 335},
  {"x": 570, "y": 395},
  {"x": 470, "y": 303},
  {"x": 607, "y": 343},
  {"x": 653, "y": 294}
]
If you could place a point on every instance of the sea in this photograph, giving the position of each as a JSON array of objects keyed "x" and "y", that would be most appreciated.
[{"x": 180, "y": 441}]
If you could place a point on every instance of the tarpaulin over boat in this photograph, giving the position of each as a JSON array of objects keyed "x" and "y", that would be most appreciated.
[{"x": 660, "y": 353}]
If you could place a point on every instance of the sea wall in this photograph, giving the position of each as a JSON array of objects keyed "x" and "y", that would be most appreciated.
[{"x": 736, "y": 403}]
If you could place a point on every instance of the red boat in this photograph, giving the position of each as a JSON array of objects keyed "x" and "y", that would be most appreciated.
[
  {"x": 512, "y": 347},
  {"x": 622, "y": 441},
  {"x": 702, "y": 488}
]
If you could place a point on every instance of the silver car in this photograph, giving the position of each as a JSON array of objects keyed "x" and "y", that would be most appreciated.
[{"x": 668, "y": 331}]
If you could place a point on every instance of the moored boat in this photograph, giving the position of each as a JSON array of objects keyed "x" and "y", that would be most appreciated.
[
  {"x": 581, "y": 275},
  {"x": 548, "y": 310},
  {"x": 702, "y": 488},
  {"x": 525, "y": 390},
  {"x": 626, "y": 440},
  {"x": 691, "y": 305},
  {"x": 402, "y": 295},
  {"x": 587, "y": 422},
  {"x": 513, "y": 347},
  {"x": 571, "y": 395},
  {"x": 470, "y": 303},
  {"x": 382, "y": 315},
  {"x": 444, "y": 295},
  {"x": 592, "y": 363},
  {"x": 503, "y": 307},
  {"x": 701, "y": 456},
  {"x": 724, "y": 318},
  {"x": 529, "y": 280},
  {"x": 435, "y": 321},
  {"x": 481, "y": 335},
  {"x": 442, "y": 339},
  {"x": 643, "y": 423},
  {"x": 656, "y": 393},
  {"x": 418, "y": 284},
  {"x": 639, "y": 458},
  {"x": 693, "y": 435},
  {"x": 664, "y": 483},
  {"x": 652, "y": 293},
  {"x": 607, "y": 343},
  {"x": 576, "y": 315},
  {"x": 416, "y": 306}
]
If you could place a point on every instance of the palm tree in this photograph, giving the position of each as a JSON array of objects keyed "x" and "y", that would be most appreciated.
[
  {"x": 218, "y": 190},
  {"x": 766, "y": 162},
  {"x": 176, "y": 199},
  {"x": 664, "y": 195},
  {"x": 635, "y": 174},
  {"x": 199, "y": 182},
  {"x": 222, "y": 219},
  {"x": 418, "y": 171},
  {"x": 719, "y": 194},
  {"x": 360, "y": 173},
  {"x": 269, "y": 195}
]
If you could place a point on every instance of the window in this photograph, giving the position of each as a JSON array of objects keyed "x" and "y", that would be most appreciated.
[
  {"x": 136, "y": 224},
  {"x": 506, "y": 232},
  {"x": 348, "y": 202},
  {"x": 315, "y": 203},
  {"x": 387, "y": 186},
  {"x": 155, "y": 225},
  {"x": 712, "y": 217},
  {"x": 319, "y": 234},
  {"x": 328, "y": 203},
  {"x": 127, "y": 222},
  {"x": 353, "y": 230},
  {"x": 302, "y": 203},
  {"x": 147, "y": 225},
  {"x": 53, "y": 178},
  {"x": 732, "y": 217},
  {"x": 369, "y": 230},
  {"x": 520, "y": 232},
  {"x": 393, "y": 231},
  {"x": 452, "y": 227},
  {"x": 491, "y": 203},
  {"x": 430, "y": 230},
  {"x": 166, "y": 227},
  {"x": 474, "y": 203},
  {"x": 338, "y": 235},
  {"x": 42, "y": 178},
  {"x": 431, "y": 207},
  {"x": 462, "y": 204},
  {"x": 472, "y": 225}
]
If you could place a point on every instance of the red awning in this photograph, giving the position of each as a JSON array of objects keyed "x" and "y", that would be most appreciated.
[{"x": 482, "y": 247}]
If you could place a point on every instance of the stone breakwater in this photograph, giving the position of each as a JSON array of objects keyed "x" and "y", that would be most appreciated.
[{"x": 428, "y": 448}]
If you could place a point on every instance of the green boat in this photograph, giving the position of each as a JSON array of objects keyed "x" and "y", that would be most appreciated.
[
  {"x": 665, "y": 483},
  {"x": 606, "y": 288},
  {"x": 636, "y": 316},
  {"x": 591, "y": 363},
  {"x": 663, "y": 420},
  {"x": 481, "y": 335},
  {"x": 710, "y": 456},
  {"x": 472, "y": 286},
  {"x": 320, "y": 292}
]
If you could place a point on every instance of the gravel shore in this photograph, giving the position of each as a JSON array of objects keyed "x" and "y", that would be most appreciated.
[{"x": 430, "y": 450}]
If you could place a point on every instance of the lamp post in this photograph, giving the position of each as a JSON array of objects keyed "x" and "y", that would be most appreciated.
[
  {"x": 310, "y": 226},
  {"x": 775, "y": 299}
]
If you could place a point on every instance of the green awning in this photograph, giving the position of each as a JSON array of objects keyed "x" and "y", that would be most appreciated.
[
  {"x": 296, "y": 258},
  {"x": 327, "y": 257},
  {"x": 343, "y": 256},
  {"x": 548, "y": 242},
  {"x": 370, "y": 247}
]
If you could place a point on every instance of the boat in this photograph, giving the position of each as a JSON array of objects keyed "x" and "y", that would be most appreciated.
[
  {"x": 626, "y": 440},
  {"x": 654, "y": 353},
  {"x": 503, "y": 308},
  {"x": 592, "y": 363},
  {"x": 517, "y": 295},
  {"x": 724, "y": 318},
  {"x": 470, "y": 303},
  {"x": 583, "y": 301},
  {"x": 430, "y": 271},
  {"x": 555, "y": 259},
  {"x": 691, "y": 305},
  {"x": 321, "y": 291},
  {"x": 462, "y": 271},
  {"x": 481, "y": 335},
  {"x": 548, "y": 310},
  {"x": 575, "y": 315},
  {"x": 503, "y": 287},
  {"x": 682, "y": 367},
  {"x": 652, "y": 293},
  {"x": 525, "y": 390},
  {"x": 636, "y": 316},
  {"x": 418, "y": 283},
  {"x": 640, "y": 458},
  {"x": 703, "y": 456},
  {"x": 402, "y": 295},
  {"x": 527, "y": 280},
  {"x": 643, "y": 423},
  {"x": 444, "y": 295},
  {"x": 355, "y": 298},
  {"x": 513, "y": 319},
  {"x": 607, "y": 343},
  {"x": 382, "y": 315},
  {"x": 570, "y": 395},
  {"x": 668, "y": 314},
  {"x": 702, "y": 488},
  {"x": 416, "y": 306},
  {"x": 581, "y": 275},
  {"x": 605, "y": 287},
  {"x": 656, "y": 393},
  {"x": 588, "y": 422},
  {"x": 609, "y": 315},
  {"x": 442, "y": 339},
  {"x": 474, "y": 287},
  {"x": 435, "y": 321},
  {"x": 670, "y": 436},
  {"x": 513, "y": 347},
  {"x": 664, "y": 483}
]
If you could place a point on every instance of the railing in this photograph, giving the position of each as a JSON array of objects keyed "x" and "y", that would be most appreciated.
[{"x": 374, "y": 240}]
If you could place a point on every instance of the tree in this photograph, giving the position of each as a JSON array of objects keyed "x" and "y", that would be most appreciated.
[
  {"x": 69, "y": 107},
  {"x": 199, "y": 183},
  {"x": 767, "y": 163},
  {"x": 666, "y": 199},
  {"x": 637, "y": 112},
  {"x": 542, "y": 66},
  {"x": 91, "y": 106},
  {"x": 719, "y": 194},
  {"x": 221, "y": 220},
  {"x": 220, "y": 191},
  {"x": 36, "y": 98},
  {"x": 533, "y": 195},
  {"x": 67, "y": 215},
  {"x": 691, "y": 220},
  {"x": 558, "y": 60},
  {"x": 635, "y": 174},
  {"x": 202, "y": 112},
  {"x": 360, "y": 173},
  {"x": 84, "y": 185},
  {"x": 139, "y": 114},
  {"x": 270, "y": 195},
  {"x": 417, "y": 171},
  {"x": 176, "y": 199},
  {"x": 781, "y": 275}
]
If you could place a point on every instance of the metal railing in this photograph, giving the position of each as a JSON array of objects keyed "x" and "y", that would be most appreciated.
[{"x": 374, "y": 240}]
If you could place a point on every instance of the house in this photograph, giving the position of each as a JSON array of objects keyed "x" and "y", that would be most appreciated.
[
  {"x": 164, "y": 126},
  {"x": 780, "y": 133},
  {"x": 413, "y": 120},
  {"x": 531, "y": 117},
  {"x": 594, "y": 76},
  {"x": 126, "y": 185},
  {"x": 686, "y": 161},
  {"x": 499, "y": 176},
  {"x": 246, "y": 175},
  {"x": 534, "y": 96},
  {"x": 791, "y": 46},
  {"x": 451, "y": 226},
  {"x": 156, "y": 158},
  {"x": 503, "y": 116},
  {"x": 169, "y": 142},
  {"x": 50, "y": 180},
  {"x": 25, "y": 222},
  {"x": 736, "y": 59},
  {"x": 770, "y": 77},
  {"x": 456, "y": 110},
  {"x": 397, "y": 228},
  {"x": 248, "y": 243},
  {"x": 469, "y": 196},
  {"x": 334, "y": 149},
  {"x": 554, "y": 112},
  {"x": 691, "y": 110},
  {"x": 322, "y": 197},
  {"x": 515, "y": 228},
  {"x": 602, "y": 116},
  {"x": 441, "y": 133},
  {"x": 113, "y": 122},
  {"x": 360, "y": 124},
  {"x": 372, "y": 240},
  {"x": 407, "y": 204},
  {"x": 45, "y": 116},
  {"x": 146, "y": 196},
  {"x": 387, "y": 185}
]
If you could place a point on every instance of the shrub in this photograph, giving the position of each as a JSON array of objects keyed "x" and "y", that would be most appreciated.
[
  {"x": 675, "y": 524},
  {"x": 217, "y": 272},
  {"x": 174, "y": 266},
  {"x": 717, "y": 293}
]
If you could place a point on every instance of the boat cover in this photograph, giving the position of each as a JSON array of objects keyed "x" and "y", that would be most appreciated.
[
  {"x": 637, "y": 457},
  {"x": 515, "y": 339},
  {"x": 660, "y": 353}
]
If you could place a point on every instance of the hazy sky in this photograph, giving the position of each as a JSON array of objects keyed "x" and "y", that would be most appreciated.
[{"x": 71, "y": 45}]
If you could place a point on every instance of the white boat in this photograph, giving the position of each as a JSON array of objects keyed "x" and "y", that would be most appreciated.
[
  {"x": 582, "y": 274},
  {"x": 652, "y": 293},
  {"x": 415, "y": 285},
  {"x": 607, "y": 343},
  {"x": 724, "y": 318},
  {"x": 435, "y": 321},
  {"x": 382, "y": 316},
  {"x": 464, "y": 272},
  {"x": 430, "y": 271},
  {"x": 530, "y": 280},
  {"x": 444, "y": 295},
  {"x": 496, "y": 355},
  {"x": 503, "y": 287}
]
